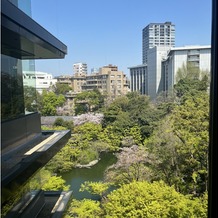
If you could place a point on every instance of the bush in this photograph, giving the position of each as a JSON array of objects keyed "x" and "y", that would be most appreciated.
[{"x": 61, "y": 122}]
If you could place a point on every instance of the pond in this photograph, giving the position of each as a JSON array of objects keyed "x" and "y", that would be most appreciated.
[{"x": 78, "y": 176}]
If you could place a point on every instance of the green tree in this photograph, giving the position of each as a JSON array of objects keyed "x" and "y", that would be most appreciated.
[
  {"x": 88, "y": 101},
  {"x": 190, "y": 80},
  {"x": 46, "y": 181},
  {"x": 50, "y": 101},
  {"x": 61, "y": 88},
  {"x": 191, "y": 126},
  {"x": 55, "y": 183},
  {"x": 152, "y": 200},
  {"x": 111, "y": 111},
  {"x": 163, "y": 145},
  {"x": 95, "y": 188},
  {"x": 112, "y": 137},
  {"x": 89, "y": 131},
  {"x": 30, "y": 98},
  {"x": 85, "y": 209},
  {"x": 63, "y": 123}
]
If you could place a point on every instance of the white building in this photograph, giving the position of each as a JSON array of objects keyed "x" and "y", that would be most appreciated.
[
  {"x": 199, "y": 56},
  {"x": 159, "y": 74},
  {"x": 80, "y": 69},
  {"x": 155, "y": 57},
  {"x": 40, "y": 80},
  {"x": 139, "y": 76}
]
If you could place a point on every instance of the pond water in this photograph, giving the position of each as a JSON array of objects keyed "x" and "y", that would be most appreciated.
[{"x": 78, "y": 176}]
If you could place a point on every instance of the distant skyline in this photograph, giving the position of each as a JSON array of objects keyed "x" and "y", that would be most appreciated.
[{"x": 110, "y": 32}]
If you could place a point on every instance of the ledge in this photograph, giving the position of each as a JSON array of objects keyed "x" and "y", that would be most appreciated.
[
  {"x": 17, "y": 169},
  {"x": 24, "y": 38}
]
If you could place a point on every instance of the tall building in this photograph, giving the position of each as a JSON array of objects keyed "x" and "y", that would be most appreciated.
[
  {"x": 161, "y": 60},
  {"x": 80, "y": 69},
  {"x": 157, "y": 34},
  {"x": 25, "y": 148}
]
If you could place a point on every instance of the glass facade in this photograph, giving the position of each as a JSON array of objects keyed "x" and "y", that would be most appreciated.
[
  {"x": 21, "y": 100},
  {"x": 12, "y": 97},
  {"x": 22, "y": 41}
]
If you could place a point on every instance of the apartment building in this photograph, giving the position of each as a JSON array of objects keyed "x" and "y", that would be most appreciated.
[
  {"x": 64, "y": 79},
  {"x": 80, "y": 69},
  {"x": 109, "y": 80},
  {"x": 77, "y": 81},
  {"x": 157, "y": 34}
]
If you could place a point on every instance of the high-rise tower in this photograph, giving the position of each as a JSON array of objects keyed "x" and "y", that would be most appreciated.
[{"x": 157, "y": 34}]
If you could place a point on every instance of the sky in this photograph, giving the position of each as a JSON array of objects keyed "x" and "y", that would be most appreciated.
[{"x": 102, "y": 32}]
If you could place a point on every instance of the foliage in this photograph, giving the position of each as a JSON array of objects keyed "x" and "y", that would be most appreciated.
[
  {"x": 191, "y": 126},
  {"x": 88, "y": 131},
  {"x": 85, "y": 209},
  {"x": 162, "y": 144},
  {"x": 112, "y": 137},
  {"x": 88, "y": 101},
  {"x": 63, "y": 161},
  {"x": 64, "y": 123},
  {"x": 132, "y": 164},
  {"x": 50, "y": 101},
  {"x": 141, "y": 199},
  {"x": 152, "y": 200},
  {"x": 95, "y": 188},
  {"x": 30, "y": 98},
  {"x": 191, "y": 80},
  {"x": 133, "y": 110},
  {"x": 55, "y": 183},
  {"x": 46, "y": 181},
  {"x": 82, "y": 148},
  {"x": 44, "y": 127},
  {"x": 60, "y": 88}
]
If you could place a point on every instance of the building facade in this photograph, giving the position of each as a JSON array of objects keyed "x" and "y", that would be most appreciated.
[
  {"x": 80, "y": 69},
  {"x": 77, "y": 81},
  {"x": 108, "y": 80},
  {"x": 139, "y": 78},
  {"x": 157, "y": 34},
  {"x": 161, "y": 60},
  {"x": 40, "y": 80},
  {"x": 24, "y": 150},
  {"x": 159, "y": 74},
  {"x": 198, "y": 56},
  {"x": 64, "y": 79}
]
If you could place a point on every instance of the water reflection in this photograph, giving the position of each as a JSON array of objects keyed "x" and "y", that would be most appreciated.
[{"x": 96, "y": 173}]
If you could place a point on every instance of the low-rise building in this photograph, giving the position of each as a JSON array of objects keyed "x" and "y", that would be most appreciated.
[
  {"x": 108, "y": 80},
  {"x": 40, "y": 80},
  {"x": 64, "y": 79}
]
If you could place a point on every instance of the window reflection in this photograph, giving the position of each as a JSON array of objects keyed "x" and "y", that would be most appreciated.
[{"x": 12, "y": 102}]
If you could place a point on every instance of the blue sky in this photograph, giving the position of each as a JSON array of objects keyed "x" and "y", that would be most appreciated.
[{"x": 101, "y": 32}]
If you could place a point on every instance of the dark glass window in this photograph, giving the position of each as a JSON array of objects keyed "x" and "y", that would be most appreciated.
[{"x": 12, "y": 98}]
